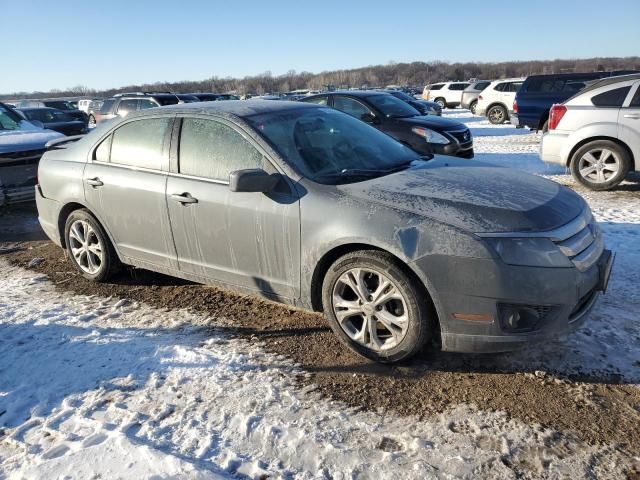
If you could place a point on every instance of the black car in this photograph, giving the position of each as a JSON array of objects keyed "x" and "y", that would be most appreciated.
[
  {"x": 425, "y": 107},
  {"x": 424, "y": 134},
  {"x": 58, "y": 104},
  {"x": 122, "y": 104},
  {"x": 54, "y": 119},
  {"x": 187, "y": 98},
  {"x": 214, "y": 97}
]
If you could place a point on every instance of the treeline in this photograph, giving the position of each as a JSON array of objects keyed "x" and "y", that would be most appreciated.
[{"x": 416, "y": 74}]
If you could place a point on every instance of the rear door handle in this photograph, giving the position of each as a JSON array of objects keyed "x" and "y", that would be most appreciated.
[
  {"x": 632, "y": 115},
  {"x": 95, "y": 182},
  {"x": 183, "y": 198}
]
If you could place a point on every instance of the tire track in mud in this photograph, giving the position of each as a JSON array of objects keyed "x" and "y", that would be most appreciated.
[{"x": 596, "y": 410}]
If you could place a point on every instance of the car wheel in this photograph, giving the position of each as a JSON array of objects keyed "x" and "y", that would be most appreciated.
[
  {"x": 89, "y": 247},
  {"x": 441, "y": 101},
  {"x": 92, "y": 121},
  {"x": 497, "y": 115},
  {"x": 375, "y": 308},
  {"x": 473, "y": 106},
  {"x": 600, "y": 165}
]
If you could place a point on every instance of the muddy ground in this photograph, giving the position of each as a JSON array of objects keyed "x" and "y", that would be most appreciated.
[{"x": 594, "y": 410}]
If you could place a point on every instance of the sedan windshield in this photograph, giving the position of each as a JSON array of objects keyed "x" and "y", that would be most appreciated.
[
  {"x": 392, "y": 107},
  {"x": 10, "y": 120},
  {"x": 331, "y": 147}
]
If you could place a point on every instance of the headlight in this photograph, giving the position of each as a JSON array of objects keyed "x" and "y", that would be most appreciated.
[
  {"x": 530, "y": 252},
  {"x": 430, "y": 136}
]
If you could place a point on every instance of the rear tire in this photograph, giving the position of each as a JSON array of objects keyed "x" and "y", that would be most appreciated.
[
  {"x": 375, "y": 308},
  {"x": 89, "y": 247},
  {"x": 600, "y": 165},
  {"x": 92, "y": 121},
  {"x": 497, "y": 115},
  {"x": 473, "y": 107}
]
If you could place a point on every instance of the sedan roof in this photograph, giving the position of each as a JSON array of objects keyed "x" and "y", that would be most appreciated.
[{"x": 239, "y": 108}]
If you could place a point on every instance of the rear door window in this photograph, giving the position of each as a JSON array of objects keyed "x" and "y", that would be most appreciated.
[
  {"x": 211, "y": 149},
  {"x": 140, "y": 143},
  {"x": 350, "y": 106},
  {"x": 635, "y": 101},
  {"x": 101, "y": 154},
  {"x": 612, "y": 98},
  {"x": 127, "y": 106}
]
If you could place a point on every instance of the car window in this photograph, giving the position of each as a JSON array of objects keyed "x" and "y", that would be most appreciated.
[
  {"x": 107, "y": 106},
  {"x": 140, "y": 143},
  {"x": 435, "y": 86},
  {"x": 60, "y": 105},
  {"x": 350, "y": 106},
  {"x": 635, "y": 101},
  {"x": 611, "y": 98},
  {"x": 513, "y": 87},
  {"x": 481, "y": 85},
  {"x": 213, "y": 150},
  {"x": 500, "y": 87},
  {"x": 126, "y": 106},
  {"x": 458, "y": 86},
  {"x": 322, "y": 100},
  {"x": 144, "y": 103},
  {"x": 101, "y": 154},
  {"x": 392, "y": 107}
]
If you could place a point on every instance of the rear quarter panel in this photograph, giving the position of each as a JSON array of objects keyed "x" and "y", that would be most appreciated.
[{"x": 581, "y": 124}]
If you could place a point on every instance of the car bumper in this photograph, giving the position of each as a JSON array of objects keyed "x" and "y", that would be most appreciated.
[
  {"x": 48, "y": 214},
  {"x": 471, "y": 296},
  {"x": 454, "y": 150},
  {"x": 551, "y": 148}
]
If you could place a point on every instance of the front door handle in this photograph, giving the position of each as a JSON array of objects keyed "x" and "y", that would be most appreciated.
[
  {"x": 95, "y": 182},
  {"x": 632, "y": 115},
  {"x": 183, "y": 198}
]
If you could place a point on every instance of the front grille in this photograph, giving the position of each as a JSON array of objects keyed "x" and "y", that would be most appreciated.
[
  {"x": 462, "y": 136},
  {"x": 20, "y": 158},
  {"x": 581, "y": 241}
]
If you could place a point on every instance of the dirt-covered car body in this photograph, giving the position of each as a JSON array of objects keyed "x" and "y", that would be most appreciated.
[{"x": 486, "y": 245}]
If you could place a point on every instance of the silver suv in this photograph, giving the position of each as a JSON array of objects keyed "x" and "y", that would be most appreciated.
[
  {"x": 596, "y": 133},
  {"x": 310, "y": 206}
]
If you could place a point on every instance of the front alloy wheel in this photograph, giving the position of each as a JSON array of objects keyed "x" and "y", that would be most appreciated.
[
  {"x": 370, "y": 309},
  {"x": 376, "y": 307}
]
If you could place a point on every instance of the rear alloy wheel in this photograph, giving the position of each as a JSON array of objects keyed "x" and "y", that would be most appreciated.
[
  {"x": 473, "y": 107},
  {"x": 497, "y": 115},
  {"x": 374, "y": 307},
  {"x": 600, "y": 165},
  {"x": 92, "y": 121},
  {"x": 442, "y": 102},
  {"x": 89, "y": 247}
]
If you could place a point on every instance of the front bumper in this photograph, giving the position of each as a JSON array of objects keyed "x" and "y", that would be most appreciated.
[{"x": 471, "y": 293}]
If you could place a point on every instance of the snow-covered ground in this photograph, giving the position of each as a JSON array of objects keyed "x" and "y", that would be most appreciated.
[{"x": 102, "y": 388}]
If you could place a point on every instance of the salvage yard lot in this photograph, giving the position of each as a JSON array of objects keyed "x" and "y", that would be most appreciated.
[{"x": 151, "y": 375}]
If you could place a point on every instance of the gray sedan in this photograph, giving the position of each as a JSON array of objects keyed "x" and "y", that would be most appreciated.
[{"x": 306, "y": 205}]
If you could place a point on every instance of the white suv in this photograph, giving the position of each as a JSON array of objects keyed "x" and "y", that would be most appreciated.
[
  {"x": 496, "y": 101},
  {"x": 446, "y": 94},
  {"x": 596, "y": 133}
]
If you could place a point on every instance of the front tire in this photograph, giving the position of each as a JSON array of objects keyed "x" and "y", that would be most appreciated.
[
  {"x": 600, "y": 165},
  {"x": 375, "y": 307},
  {"x": 89, "y": 247},
  {"x": 442, "y": 102},
  {"x": 497, "y": 115}
]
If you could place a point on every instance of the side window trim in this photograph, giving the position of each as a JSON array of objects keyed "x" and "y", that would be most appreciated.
[{"x": 633, "y": 97}]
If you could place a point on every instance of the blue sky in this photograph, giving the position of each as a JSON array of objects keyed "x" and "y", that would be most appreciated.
[{"x": 100, "y": 44}]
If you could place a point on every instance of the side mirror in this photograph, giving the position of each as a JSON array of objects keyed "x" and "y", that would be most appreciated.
[
  {"x": 252, "y": 180},
  {"x": 37, "y": 123},
  {"x": 368, "y": 117}
]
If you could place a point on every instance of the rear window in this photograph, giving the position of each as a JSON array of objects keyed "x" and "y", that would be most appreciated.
[
  {"x": 612, "y": 98},
  {"x": 558, "y": 84},
  {"x": 107, "y": 106},
  {"x": 435, "y": 86}
]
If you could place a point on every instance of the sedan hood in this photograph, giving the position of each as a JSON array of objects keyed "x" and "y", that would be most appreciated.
[
  {"x": 433, "y": 122},
  {"x": 22, "y": 140},
  {"x": 473, "y": 196}
]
